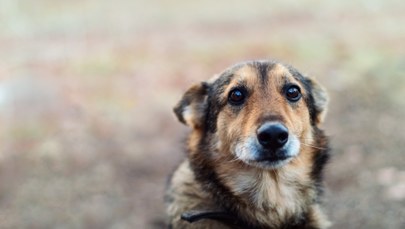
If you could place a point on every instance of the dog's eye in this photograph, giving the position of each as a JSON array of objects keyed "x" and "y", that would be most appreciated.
[
  {"x": 293, "y": 93},
  {"x": 236, "y": 97}
]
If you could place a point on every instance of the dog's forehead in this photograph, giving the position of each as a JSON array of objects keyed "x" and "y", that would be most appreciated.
[{"x": 256, "y": 73}]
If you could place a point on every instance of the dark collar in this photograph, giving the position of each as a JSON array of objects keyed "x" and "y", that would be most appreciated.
[{"x": 224, "y": 217}]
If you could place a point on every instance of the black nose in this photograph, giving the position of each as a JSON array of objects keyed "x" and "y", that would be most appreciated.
[{"x": 272, "y": 135}]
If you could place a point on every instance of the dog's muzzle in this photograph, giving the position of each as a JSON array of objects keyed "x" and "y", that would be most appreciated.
[{"x": 271, "y": 146}]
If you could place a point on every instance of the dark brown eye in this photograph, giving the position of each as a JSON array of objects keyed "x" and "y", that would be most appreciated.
[
  {"x": 293, "y": 93},
  {"x": 236, "y": 97}
]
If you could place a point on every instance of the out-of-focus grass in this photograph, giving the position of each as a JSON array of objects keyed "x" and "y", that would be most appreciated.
[{"x": 87, "y": 137}]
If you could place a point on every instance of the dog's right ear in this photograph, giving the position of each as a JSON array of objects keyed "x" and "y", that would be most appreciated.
[
  {"x": 321, "y": 100},
  {"x": 192, "y": 107}
]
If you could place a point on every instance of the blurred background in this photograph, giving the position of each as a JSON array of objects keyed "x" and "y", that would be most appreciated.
[{"x": 87, "y": 134}]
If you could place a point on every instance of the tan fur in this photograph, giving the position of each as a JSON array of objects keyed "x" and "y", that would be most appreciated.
[
  {"x": 188, "y": 196},
  {"x": 271, "y": 197}
]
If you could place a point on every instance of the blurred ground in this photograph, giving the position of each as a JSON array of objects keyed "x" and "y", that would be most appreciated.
[{"x": 87, "y": 136}]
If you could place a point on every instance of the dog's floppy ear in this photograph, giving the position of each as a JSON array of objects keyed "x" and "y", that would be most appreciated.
[
  {"x": 191, "y": 109},
  {"x": 321, "y": 100}
]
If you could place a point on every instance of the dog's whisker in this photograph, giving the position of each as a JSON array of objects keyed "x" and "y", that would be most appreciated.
[
  {"x": 235, "y": 159},
  {"x": 313, "y": 146}
]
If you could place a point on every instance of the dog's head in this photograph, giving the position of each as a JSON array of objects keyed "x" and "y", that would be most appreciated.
[{"x": 260, "y": 113}]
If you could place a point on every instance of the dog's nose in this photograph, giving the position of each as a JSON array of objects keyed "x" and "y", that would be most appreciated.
[{"x": 272, "y": 135}]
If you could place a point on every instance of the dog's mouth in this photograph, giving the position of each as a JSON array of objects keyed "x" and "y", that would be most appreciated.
[
  {"x": 276, "y": 158},
  {"x": 273, "y": 158},
  {"x": 272, "y": 162}
]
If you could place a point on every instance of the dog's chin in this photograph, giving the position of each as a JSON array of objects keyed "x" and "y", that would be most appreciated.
[{"x": 270, "y": 163}]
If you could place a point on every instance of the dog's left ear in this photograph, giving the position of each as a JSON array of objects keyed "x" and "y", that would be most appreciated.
[
  {"x": 191, "y": 109},
  {"x": 321, "y": 100}
]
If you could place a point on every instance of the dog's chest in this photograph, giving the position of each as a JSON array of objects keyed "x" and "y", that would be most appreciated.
[{"x": 274, "y": 198}]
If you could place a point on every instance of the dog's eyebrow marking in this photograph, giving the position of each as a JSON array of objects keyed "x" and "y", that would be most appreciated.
[
  {"x": 240, "y": 83},
  {"x": 296, "y": 75},
  {"x": 240, "y": 78},
  {"x": 220, "y": 85}
]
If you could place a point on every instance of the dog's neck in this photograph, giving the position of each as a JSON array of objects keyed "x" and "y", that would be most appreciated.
[
  {"x": 269, "y": 197},
  {"x": 274, "y": 195}
]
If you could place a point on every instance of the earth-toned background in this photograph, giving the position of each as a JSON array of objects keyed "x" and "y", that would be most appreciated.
[{"x": 87, "y": 134}]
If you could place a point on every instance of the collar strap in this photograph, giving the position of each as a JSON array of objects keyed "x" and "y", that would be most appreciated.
[{"x": 221, "y": 216}]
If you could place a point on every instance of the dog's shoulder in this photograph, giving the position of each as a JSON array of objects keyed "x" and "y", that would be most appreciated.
[{"x": 185, "y": 194}]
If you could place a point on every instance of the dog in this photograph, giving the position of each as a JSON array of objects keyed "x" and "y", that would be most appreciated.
[{"x": 256, "y": 153}]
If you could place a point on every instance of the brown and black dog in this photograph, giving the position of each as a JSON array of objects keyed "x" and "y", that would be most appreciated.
[{"x": 256, "y": 153}]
